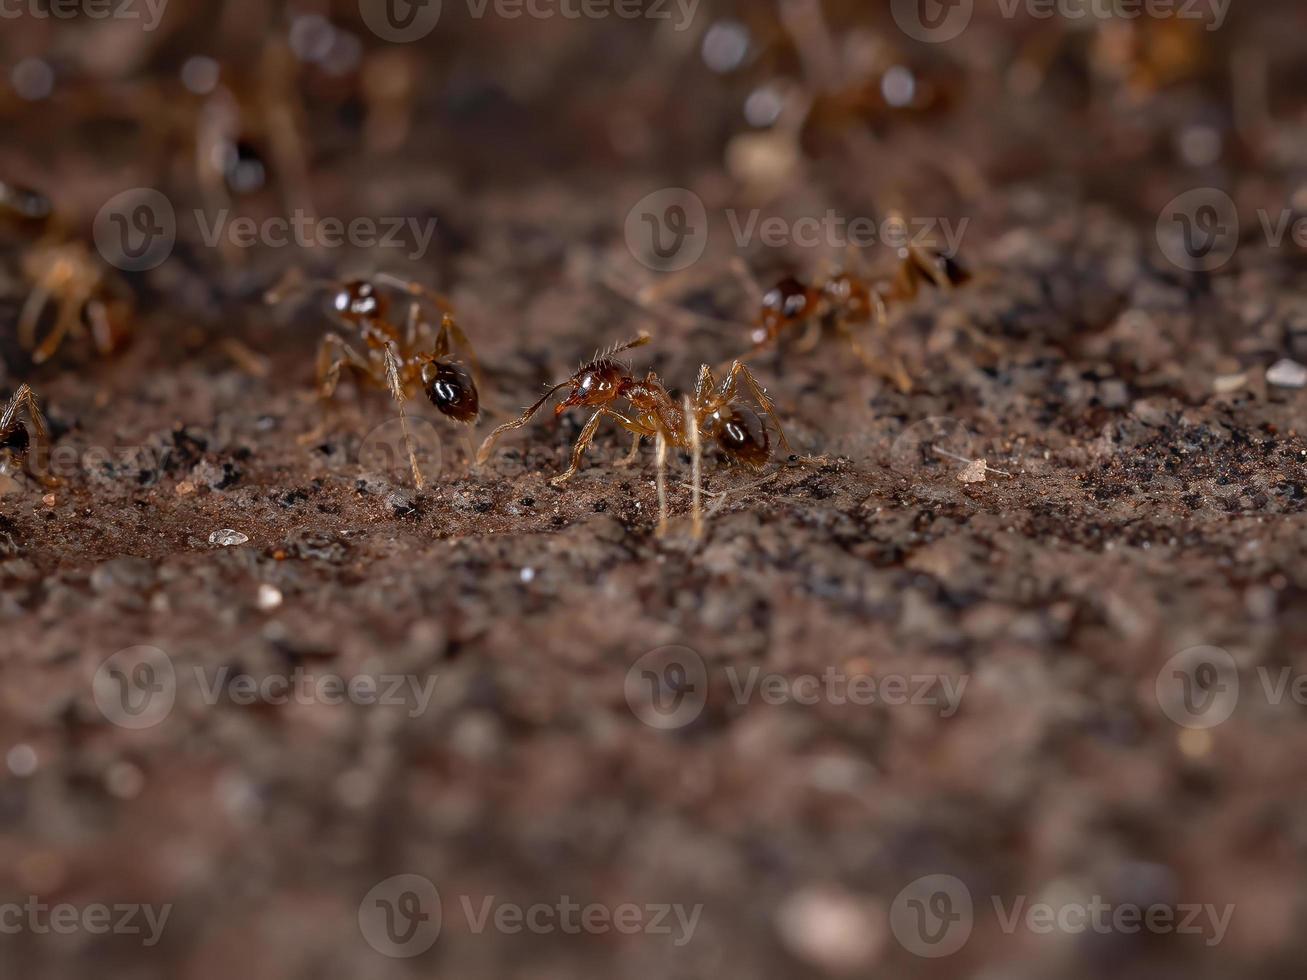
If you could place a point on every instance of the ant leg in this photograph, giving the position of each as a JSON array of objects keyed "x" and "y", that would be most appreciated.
[
  {"x": 634, "y": 454},
  {"x": 487, "y": 447},
  {"x": 31, "y": 315},
  {"x": 748, "y": 281},
  {"x": 101, "y": 329},
  {"x": 582, "y": 444},
  {"x": 417, "y": 290},
  {"x": 759, "y": 393},
  {"x": 810, "y": 339},
  {"x": 894, "y": 371},
  {"x": 333, "y": 355},
  {"x": 68, "y": 312},
  {"x": 696, "y": 467},
  {"x": 396, "y": 385},
  {"x": 661, "y": 480}
]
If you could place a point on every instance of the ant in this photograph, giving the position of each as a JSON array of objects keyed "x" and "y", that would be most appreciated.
[
  {"x": 713, "y": 412},
  {"x": 63, "y": 270},
  {"x": 395, "y": 358},
  {"x": 852, "y": 301},
  {"x": 15, "y": 440}
]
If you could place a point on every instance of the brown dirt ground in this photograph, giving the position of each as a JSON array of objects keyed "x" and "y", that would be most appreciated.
[{"x": 1142, "y": 513}]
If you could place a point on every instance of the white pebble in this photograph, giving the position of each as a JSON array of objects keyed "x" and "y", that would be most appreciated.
[
  {"x": 269, "y": 597},
  {"x": 832, "y": 929},
  {"x": 528, "y": 574},
  {"x": 227, "y": 537},
  {"x": 1287, "y": 374},
  {"x": 21, "y": 760}
]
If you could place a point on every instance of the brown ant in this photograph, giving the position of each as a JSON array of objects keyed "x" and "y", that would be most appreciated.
[
  {"x": 714, "y": 412},
  {"x": 15, "y": 440},
  {"x": 852, "y": 301},
  {"x": 398, "y": 359},
  {"x": 64, "y": 271}
]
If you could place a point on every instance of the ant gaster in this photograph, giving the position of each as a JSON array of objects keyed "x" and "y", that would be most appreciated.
[
  {"x": 397, "y": 358},
  {"x": 15, "y": 440}
]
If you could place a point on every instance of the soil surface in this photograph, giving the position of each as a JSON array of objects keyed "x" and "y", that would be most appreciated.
[{"x": 740, "y": 754}]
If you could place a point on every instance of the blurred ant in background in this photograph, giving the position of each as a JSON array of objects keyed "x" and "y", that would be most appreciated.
[
  {"x": 714, "y": 412},
  {"x": 852, "y": 302},
  {"x": 61, "y": 270},
  {"x": 396, "y": 358},
  {"x": 15, "y": 440}
]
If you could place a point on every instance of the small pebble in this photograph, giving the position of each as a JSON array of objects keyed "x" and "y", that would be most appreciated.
[
  {"x": 528, "y": 574},
  {"x": 973, "y": 472},
  {"x": 1287, "y": 374},
  {"x": 48, "y": 500},
  {"x": 185, "y": 488},
  {"x": 1225, "y": 383},
  {"x": 226, "y": 538},
  {"x": 21, "y": 760},
  {"x": 832, "y": 929},
  {"x": 269, "y": 597}
]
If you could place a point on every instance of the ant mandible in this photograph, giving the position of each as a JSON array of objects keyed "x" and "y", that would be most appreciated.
[
  {"x": 63, "y": 270},
  {"x": 15, "y": 440},
  {"x": 398, "y": 359},
  {"x": 714, "y": 412}
]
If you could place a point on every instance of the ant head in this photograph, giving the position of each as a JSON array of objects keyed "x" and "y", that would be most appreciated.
[
  {"x": 452, "y": 389},
  {"x": 14, "y": 445},
  {"x": 598, "y": 383},
  {"x": 740, "y": 433},
  {"x": 789, "y": 300},
  {"x": 359, "y": 300}
]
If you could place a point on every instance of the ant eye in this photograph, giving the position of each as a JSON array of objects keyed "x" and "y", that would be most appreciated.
[
  {"x": 789, "y": 297},
  {"x": 243, "y": 167},
  {"x": 451, "y": 389}
]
